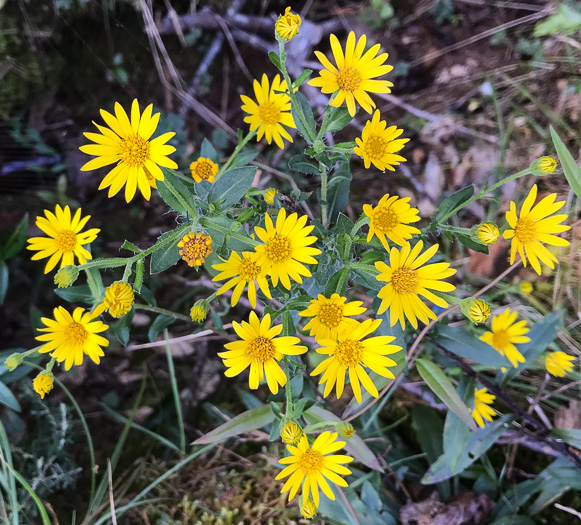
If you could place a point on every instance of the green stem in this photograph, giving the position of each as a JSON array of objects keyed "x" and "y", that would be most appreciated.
[
  {"x": 127, "y": 272},
  {"x": 323, "y": 172},
  {"x": 175, "y": 391},
  {"x": 362, "y": 221},
  {"x": 245, "y": 140},
  {"x": 162, "y": 311},
  {"x": 287, "y": 387},
  {"x": 186, "y": 205},
  {"x": 449, "y": 298},
  {"x": 455, "y": 229}
]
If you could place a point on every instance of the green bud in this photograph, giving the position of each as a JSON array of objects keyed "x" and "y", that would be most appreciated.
[
  {"x": 543, "y": 166},
  {"x": 66, "y": 276},
  {"x": 12, "y": 362}
]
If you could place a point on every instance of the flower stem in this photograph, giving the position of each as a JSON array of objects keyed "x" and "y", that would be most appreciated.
[
  {"x": 362, "y": 221},
  {"x": 287, "y": 387},
  {"x": 238, "y": 149},
  {"x": 162, "y": 311},
  {"x": 323, "y": 172},
  {"x": 175, "y": 391}
]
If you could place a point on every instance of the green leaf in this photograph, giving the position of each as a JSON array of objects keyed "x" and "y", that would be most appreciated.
[
  {"x": 429, "y": 429},
  {"x": 571, "y": 436},
  {"x": 463, "y": 344},
  {"x": 453, "y": 201},
  {"x": 76, "y": 294},
  {"x": 17, "y": 240},
  {"x": 209, "y": 152},
  {"x": 130, "y": 246},
  {"x": 138, "y": 275},
  {"x": 368, "y": 276},
  {"x": 337, "y": 118},
  {"x": 443, "y": 388},
  {"x": 3, "y": 281},
  {"x": 565, "y": 21},
  {"x": 514, "y": 520},
  {"x": 159, "y": 323},
  {"x": 307, "y": 132},
  {"x": 469, "y": 242},
  {"x": 337, "y": 283},
  {"x": 302, "y": 77},
  {"x": 246, "y": 156},
  {"x": 232, "y": 186},
  {"x": 7, "y": 398},
  {"x": 180, "y": 199},
  {"x": 299, "y": 163},
  {"x": 274, "y": 58},
  {"x": 167, "y": 255},
  {"x": 570, "y": 167},
  {"x": 122, "y": 328},
  {"x": 338, "y": 191},
  {"x": 245, "y": 422}
]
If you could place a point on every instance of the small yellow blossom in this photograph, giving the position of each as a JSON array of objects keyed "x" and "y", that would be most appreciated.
[
  {"x": 291, "y": 433},
  {"x": 559, "y": 363},
  {"x": 544, "y": 166},
  {"x": 119, "y": 298},
  {"x": 488, "y": 233},
  {"x": 198, "y": 313},
  {"x": 269, "y": 195},
  {"x": 309, "y": 509},
  {"x": 481, "y": 409},
  {"x": 204, "y": 169},
  {"x": 525, "y": 287},
  {"x": 43, "y": 383},
  {"x": 346, "y": 430},
  {"x": 480, "y": 311},
  {"x": 287, "y": 25},
  {"x": 505, "y": 334},
  {"x": 195, "y": 248}
]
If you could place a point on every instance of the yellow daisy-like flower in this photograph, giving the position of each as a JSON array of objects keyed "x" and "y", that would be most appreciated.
[
  {"x": 195, "y": 248},
  {"x": 204, "y": 169},
  {"x": 350, "y": 352},
  {"x": 287, "y": 26},
  {"x": 525, "y": 287},
  {"x": 505, "y": 334},
  {"x": 260, "y": 349},
  {"x": 488, "y": 233},
  {"x": 43, "y": 383},
  {"x": 65, "y": 238},
  {"x": 407, "y": 279},
  {"x": 355, "y": 74},
  {"x": 309, "y": 466},
  {"x": 127, "y": 143},
  {"x": 378, "y": 145},
  {"x": 481, "y": 409},
  {"x": 544, "y": 166},
  {"x": 286, "y": 248},
  {"x": 479, "y": 311},
  {"x": 269, "y": 196},
  {"x": 330, "y": 316},
  {"x": 119, "y": 298},
  {"x": 70, "y": 337},
  {"x": 291, "y": 433},
  {"x": 198, "y": 313},
  {"x": 241, "y": 272},
  {"x": 309, "y": 509},
  {"x": 270, "y": 112},
  {"x": 391, "y": 218},
  {"x": 536, "y": 225},
  {"x": 559, "y": 363}
]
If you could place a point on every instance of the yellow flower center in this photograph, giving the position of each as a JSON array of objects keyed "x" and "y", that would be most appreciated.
[
  {"x": 269, "y": 113},
  {"x": 311, "y": 461},
  {"x": 331, "y": 315},
  {"x": 76, "y": 334},
  {"x": 525, "y": 230},
  {"x": 204, "y": 170},
  {"x": 249, "y": 270},
  {"x": 500, "y": 339},
  {"x": 404, "y": 280},
  {"x": 195, "y": 248},
  {"x": 375, "y": 147},
  {"x": 348, "y": 78},
  {"x": 261, "y": 349},
  {"x": 348, "y": 352},
  {"x": 134, "y": 150},
  {"x": 66, "y": 240},
  {"x": 278, "y": 249},
  {"x": 384, "y": 219}
]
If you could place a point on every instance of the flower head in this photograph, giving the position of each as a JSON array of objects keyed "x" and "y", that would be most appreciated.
[
  {"x": 270, "y": 112},
  {"x": 544, "y": 166},
  {"x": 198, "y": 312},
  {"x": 291, "y": 433},
  {"x": 391, "y": 218},
  {"x": 260, "y": 349},
  {"x": 286, "y": 248},
  {"x": 351, "y": 352},
  {"x": 242, "y": 272},
  {"x": 70, "y": 337},
  {"x": 66, "y": 276},
  {"x": 127, "y": 144},
  {"x": 478, "y": 310},
  {"x": 355, "y": 74},
  {"x": 378, "y": 145},
  {"x": 204, "y": 169},
  {"x": 487, "y": 233},
  {"x": 309, "y": 509},
  {"x": 13, "y": 361},
  {"x": 43, "y": 383},
  {"x": 535, "y": 226},
  {"x": 330, "y": 316},
  {"x": 407, "y": 279},
  {"x": 481, "y": 409},
  {"x": 310, "y": 466},
  {"x": 525, "y": 287},
  {"x": 269, "y": 195},
  {"x": 64, "y": 238},
  {"x": 505, "y": 334},
  {"x": 559, "y": 363},
  {"x": 346, "y": 430},
  {"x": 195, "y": 248},
  {"x": 119, "y": 298},
  {"x": 287, "y": 25}
]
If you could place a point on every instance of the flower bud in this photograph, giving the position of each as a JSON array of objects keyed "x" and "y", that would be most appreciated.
[
  {"x": 287, "y": 25},
  {"x": 346, "y": 430},
  {"x": 477, "y": 310},
  {"x": 486, "y": 233},
  {"x": 199, "y": 311},
  {"x": 66, "y": 276},
  {"x": 269, "y": 195},
  {"x": 119, "y": 298},
  {"x": 43, "y": 383},
  {"x": 12, "y": 362},
  {"x": 291, "y": 433},
  {"x": 525, "y": 287},
  {"x": 308, "y": 509},
  {"x": 543, "y": 166}
]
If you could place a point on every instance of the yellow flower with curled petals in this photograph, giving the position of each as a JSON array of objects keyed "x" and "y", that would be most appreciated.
[
  {"x": 128, "y": 144},
  {"x": 309, "y": 509},
  {"x": 505, "y": 334},
  {"x": 482, "y": 411},
  {"x": 195, "y": 248},
  {"x": 355, "y": 74},
  {"x": 287, "y": 26},
  {"x": 559, "y": 363},
  {"x": 479, "y": 311},
  {"x": 291, "y": 433},
  {"x": 43, "y": 383},
  {"x": 269, "y": 195},
  {"x": 119, "y": 298},
  {"x": 204, "y": 169},
  {"x": 487, "y": 233}
]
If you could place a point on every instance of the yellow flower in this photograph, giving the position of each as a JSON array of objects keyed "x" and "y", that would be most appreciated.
[
  {"x": 260, "y": 349},
  {"x": 269, "y": 196},
  {"x": 481, "y": 409},
  {"x": 65, "y": 238},
  {"x": 488, "y": 233},
  {"x": 270, "y": 112},
  {"x": 525, "y": 287},
  {"x": 241, "y": 272},
  {"x": 391, "y": 218},
  {"x": 287, "y": 25},
  {"x": 70, "y": 337},
  {"x": 351, "y": 353},
  {"x": 479, "y": 311},
  {"x": 406, "y": 280},
  {"x": 346, "y": 430},
  {"x": 505, "y": 334},
  {"x": 310, "y": 466},
  {"x": 544, "y": 166},
  {"x": 329, "y": 316},
  {"x": 195, "y": 248},
  {"x": 204, "y": 169},
  {"x": 119, "y": 298},
  {"x": 309, "y": 509},
  {"x": 127, "y": 144},
  {"x": 378, "y": 145},
  {"x": 198, "y": 313},
  {"x": 559, "y": 363},
  {"x": 291, "y": 433},
  {"x": 354, "y": 76},
  {"x": 43, "y": 383},
  {"x": 534, "y": 227},
  {"x": 286, "y": 248}
]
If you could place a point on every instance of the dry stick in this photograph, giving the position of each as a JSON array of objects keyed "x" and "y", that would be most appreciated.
[
  {"x": 181, "y": 339},
  {"x": 111, "y": 498},
  {"x": 348, "y": 505}
]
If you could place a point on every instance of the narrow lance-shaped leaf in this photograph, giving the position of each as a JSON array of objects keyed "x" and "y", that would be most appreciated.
[{"x": 570, "y": 167}]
